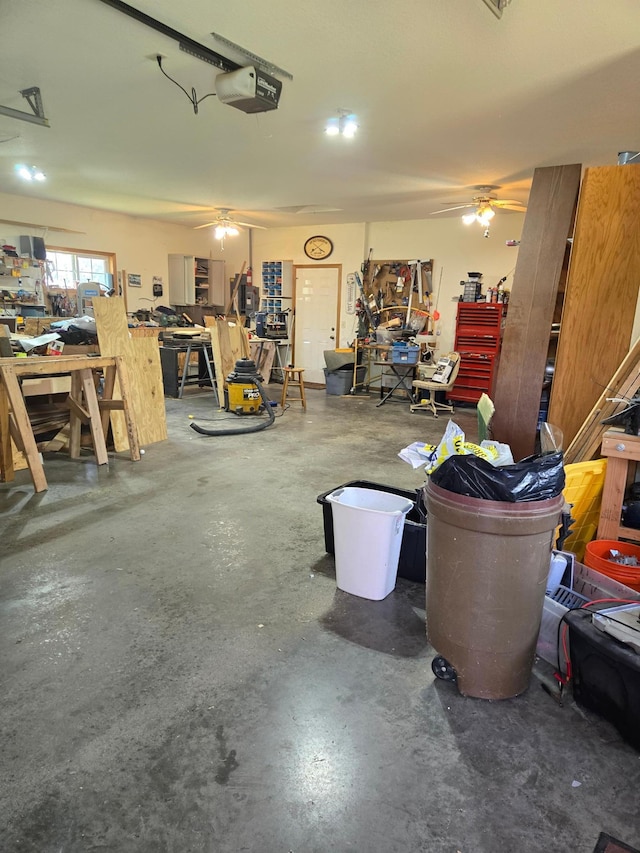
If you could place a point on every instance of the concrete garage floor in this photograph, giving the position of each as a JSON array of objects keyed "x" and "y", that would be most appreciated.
[{"x": 179, "y": 672}]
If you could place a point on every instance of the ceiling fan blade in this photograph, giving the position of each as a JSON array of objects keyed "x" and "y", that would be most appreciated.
[
  {"x": 248, "y": 225},
  {"x": 207, "y": 225},
  {"x": 457, "y": 207},
  {"x": 509, "y": 203}
]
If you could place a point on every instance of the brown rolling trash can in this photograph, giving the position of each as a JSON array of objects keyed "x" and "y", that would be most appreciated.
[{"x": 487, "y": 567}]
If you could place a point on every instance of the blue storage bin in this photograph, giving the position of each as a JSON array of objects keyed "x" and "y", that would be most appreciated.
[{"x": 405, "y": 354}]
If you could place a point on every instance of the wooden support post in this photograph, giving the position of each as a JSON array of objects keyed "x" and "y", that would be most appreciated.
[
  {"x": 23, "y": 427},
  {"x": 6, "y": 453},
  {"x": 107, "y": 395},
  {"x": 77, "y": 415},
  {"x": 623, "y": 454},
  {"x": 91, "y": 402}
]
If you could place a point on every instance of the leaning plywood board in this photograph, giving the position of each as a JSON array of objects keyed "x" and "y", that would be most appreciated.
[
  {"x": 518, "y": 387},
  {"x": 601, "y": 293},
  {"x": 229, "y": 343},
  {"x": 142, "y": 359},
  {"x": 147, "y": 392}
]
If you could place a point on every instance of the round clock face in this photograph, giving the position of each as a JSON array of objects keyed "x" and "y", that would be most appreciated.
[{"x": 318, "y": 248}]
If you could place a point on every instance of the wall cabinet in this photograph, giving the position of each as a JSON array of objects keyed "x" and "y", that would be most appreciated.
[
  {"x": 196, "y": 281},
  {"x": 478, "y": 338}
]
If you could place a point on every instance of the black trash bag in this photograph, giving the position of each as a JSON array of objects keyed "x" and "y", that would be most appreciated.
[
  {"x": 534, "y": 478},
  {"x": 75, "y": 335}
]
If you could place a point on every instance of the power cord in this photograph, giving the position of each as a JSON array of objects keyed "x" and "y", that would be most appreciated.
[{"x": 193, "y": 97}]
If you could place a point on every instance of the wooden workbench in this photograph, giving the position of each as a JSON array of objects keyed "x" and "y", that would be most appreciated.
[{"x": 84, "y": 407}]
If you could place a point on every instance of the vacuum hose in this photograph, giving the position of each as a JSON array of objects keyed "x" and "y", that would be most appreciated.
[{"x": 247, "y": 372}]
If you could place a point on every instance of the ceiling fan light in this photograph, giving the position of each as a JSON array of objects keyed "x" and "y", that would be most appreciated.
[
  {"x": 232, "y": 231},
  {"x": 487, "y": 213},
  {"x": 349, "y": 127},
  {"x": 468, "y": 218},
  {"x": 219, "y": 233},
  {"x": 332, "y": 127}
]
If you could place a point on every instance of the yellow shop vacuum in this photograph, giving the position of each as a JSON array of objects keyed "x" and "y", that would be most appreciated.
[{"x": 244, "y": 395}]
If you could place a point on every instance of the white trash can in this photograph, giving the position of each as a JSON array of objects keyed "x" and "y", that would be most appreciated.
[{"x": 367, "y": 532}]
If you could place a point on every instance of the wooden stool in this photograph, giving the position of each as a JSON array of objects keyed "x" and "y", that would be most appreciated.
[{"x": 293, "y": 379}]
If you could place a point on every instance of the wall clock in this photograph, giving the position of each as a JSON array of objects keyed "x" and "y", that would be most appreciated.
[{"x": 318, "y": 248}]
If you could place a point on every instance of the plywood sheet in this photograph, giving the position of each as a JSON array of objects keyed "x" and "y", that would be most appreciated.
[
  {"x": 147, "y": 392},
  {"x": 142, "y": 359},
  {"x": 518, "y": 386},
  {"x": 229, "y": 343},
  {"x": 601, "y": 293}
]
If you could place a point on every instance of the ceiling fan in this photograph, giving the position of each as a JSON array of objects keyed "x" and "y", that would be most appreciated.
[
  {"x": 225, "y": 225},
  {"x": 483, "y": 205}
]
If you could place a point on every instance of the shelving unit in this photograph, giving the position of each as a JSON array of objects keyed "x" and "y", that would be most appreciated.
[
  {"x": 277, "y": 288},
  {"x": 201, "y": 275},
  {"x": 478, "y": 339},
  {"x": 21, "y": 286},
  {"x": 276, "y": 296},
  {"x": 196, "y": 281}
]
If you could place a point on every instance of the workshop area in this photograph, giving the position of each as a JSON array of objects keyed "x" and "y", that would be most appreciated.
[{"x": 319, "y": 427}]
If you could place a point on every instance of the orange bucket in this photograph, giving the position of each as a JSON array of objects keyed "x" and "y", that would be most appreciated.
[{"x": 597, "y": 557}]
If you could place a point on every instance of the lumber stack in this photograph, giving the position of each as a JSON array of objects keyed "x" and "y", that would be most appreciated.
[{"x": 622, "y": 386}]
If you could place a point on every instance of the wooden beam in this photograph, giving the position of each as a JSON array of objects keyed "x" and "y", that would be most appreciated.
[
  {"x": 77, "y": 414},
  {"x": 547, "y": 226},
  {"x": 43, "y": 365},
  {"x": 78, "y": 411},
  {"x": 111, "y": 405}
]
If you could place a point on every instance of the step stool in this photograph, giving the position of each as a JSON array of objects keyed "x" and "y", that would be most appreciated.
[{"x": 293, "y": 379}]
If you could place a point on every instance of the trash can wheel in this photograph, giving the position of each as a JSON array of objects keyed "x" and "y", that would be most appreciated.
[{"x": 443, "y": 670}]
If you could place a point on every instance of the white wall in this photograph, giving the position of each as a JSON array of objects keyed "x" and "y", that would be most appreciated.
[
  {"x": 456, "y": 249},
  {"x": 143, "y": 245}
]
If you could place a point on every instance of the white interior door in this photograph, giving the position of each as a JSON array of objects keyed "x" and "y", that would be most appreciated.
[{"x": 316, "y": 318}]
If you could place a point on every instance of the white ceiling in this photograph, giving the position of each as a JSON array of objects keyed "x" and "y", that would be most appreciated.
[{"x": 447, "y": 95}]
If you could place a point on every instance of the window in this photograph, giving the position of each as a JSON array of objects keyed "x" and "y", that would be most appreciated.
[{"x": 65, "y": 270}]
